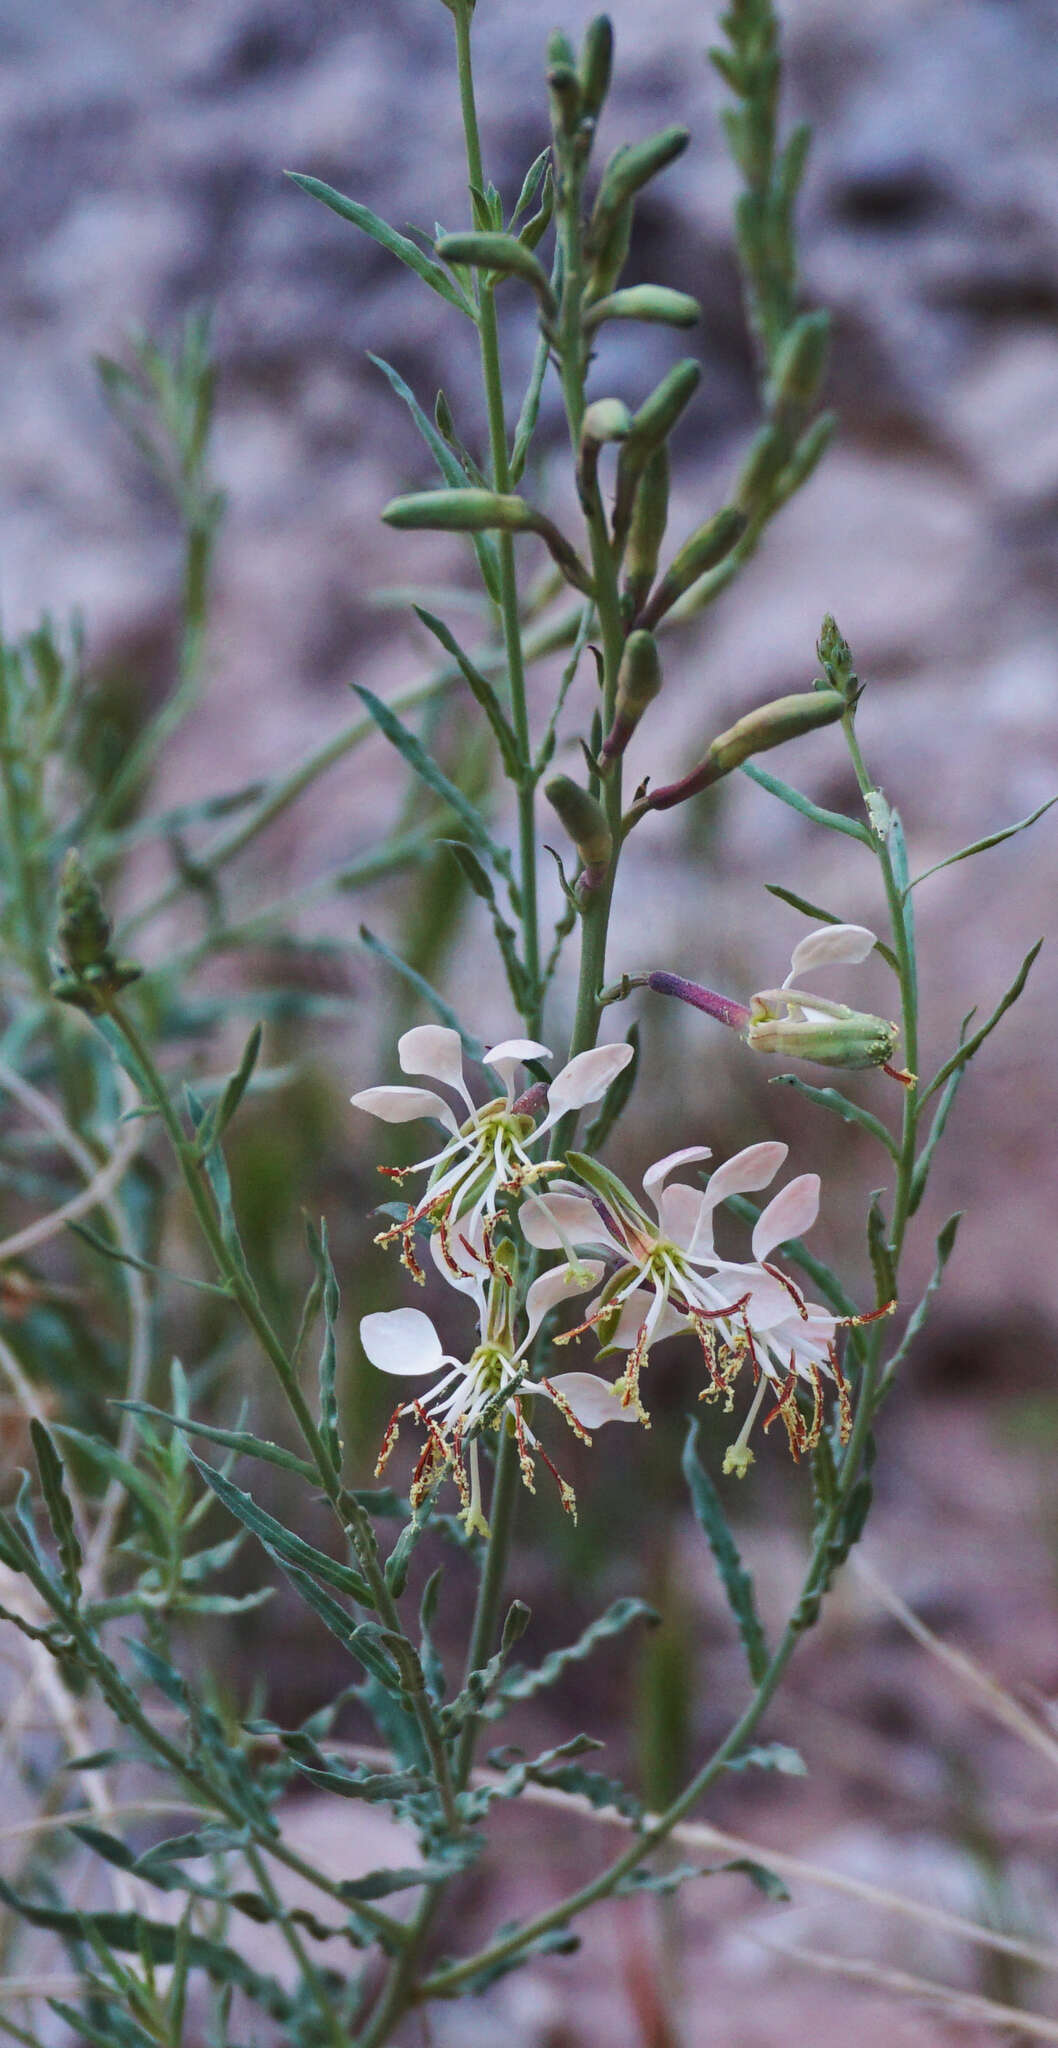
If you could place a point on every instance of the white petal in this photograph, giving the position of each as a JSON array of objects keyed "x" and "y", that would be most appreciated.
[
  {"x": 657, "y": 1174},
  {"x": 592, "y": 1400},
  {"x": 770, "y": 1303},
  {"x": 753, "y": 1167},
  {"x": 685, "y": 1217},
  {"x": 585, "y": 1079},
  {"x": 634, "y": 1312},
  {"x": 399, "y": 1105},
  {"x": 401, "y": 1340},
  {"x": 512, "y": 1053},
  {"x": 558, "y": 1285},
  {"x": 435, "y": 1050},
  {"x": 551, "y": 1222},
  {"x": 472, "y": 1273},
  {"x": 791, "y": 1212},
  {"x": 830, "y": 946}
]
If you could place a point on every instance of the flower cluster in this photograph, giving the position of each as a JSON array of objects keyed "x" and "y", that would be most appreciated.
[{"x": 483, "y": 1167}]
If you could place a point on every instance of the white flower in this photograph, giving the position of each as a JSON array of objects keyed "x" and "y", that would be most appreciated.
[
  {"x": 486, "y": 1155},
  {"x": 468, "y": 1395},
  {"x": 668, "y": 1276},
  {"x": 786, "y": 1020}
]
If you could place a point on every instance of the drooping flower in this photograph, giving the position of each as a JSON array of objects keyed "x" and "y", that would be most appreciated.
[
  {"x": 489, "y": 1389},
  {"x": 487, "y": 1154},
  {"x": 667, "y": 1277}
]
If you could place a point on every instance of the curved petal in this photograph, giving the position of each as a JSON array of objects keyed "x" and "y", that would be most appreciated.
[
  {"x": 684, "y": 1215},
  {"x": 433, "y": 1049},
  {"x": 552, "y": 1222},
  {"x": 399, "y": 1105},
  {"x": 585, "y": 1079},
  {"x": 656, "y": 1175},
  {"x": 753, "y": 1167},
  {"x": 592, "y": 1400},
  {"x": 467, "y": 1272},
  {"x": 789, "y": 1214},
  {"x": 668, "y": 1322},
  {"x": 769, "y": 1304},
  {"x": 831, "y": 946},
  {"x": 512, "y": 1053},
  {"x": 558, "y": 1285},
  {"x": 401, "y": 1340}
]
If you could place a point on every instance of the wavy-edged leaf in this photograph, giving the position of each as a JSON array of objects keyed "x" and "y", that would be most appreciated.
[
  {"x": 60, "y": 1512},
  {"x": 522, "y": 1684},
  {"x": 426, "y": 768},
  {"x": 965, "y": 1052},
  {"x": 281, "y": 1543},
  {"x": 331, "y": 1299},
  {"x": 452, "y": 469},
  {"x": 849, "y": 1112},
  {"x": 982, "y": 845},
  {"x": 388, "y": 238},
  {"x": 468, "y": 1703},
  {"x": 945, "y": 1246},
  {"x": 238, "y": 1440},
  {"x": 359, "y": 1638},
  {"x": 660, "y": 1882},
  {"x": 833, "y": 820},
  {"x": 734, "y": 1577},
  {"x": 482, "y": 691}
]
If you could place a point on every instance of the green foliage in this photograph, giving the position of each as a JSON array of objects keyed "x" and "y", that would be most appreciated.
[{"x": 734, "y": 1577}]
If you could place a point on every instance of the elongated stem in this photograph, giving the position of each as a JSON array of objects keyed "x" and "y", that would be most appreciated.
[{"x": 492, "y": 378}]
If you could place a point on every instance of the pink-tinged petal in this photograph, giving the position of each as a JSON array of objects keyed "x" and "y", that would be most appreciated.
[
  {"x": 685, "y": 1217},
  {"x": 561, "y": 1284},
  {"x": 512, "y": 1053},
  {"x": 832, "y": 946},
  {"x": 401, "y": 1340},
  {"x": 591, "y": 1400},
  {"x": 668, "y": 1321},
  {"x": 471, "y": 1273},
  {"x": 753, "y": 1167},
  {"x": 399, "y": 1105},
  {"x": 551, "y": 1222},
  {"x": 585, "y": 1079},
  {"x": 789, "y": 1214},
  {"x": 769, "y": 1304},
  {"x": 435, "y": 1050},
  {"x": 656, "y": 1175}
]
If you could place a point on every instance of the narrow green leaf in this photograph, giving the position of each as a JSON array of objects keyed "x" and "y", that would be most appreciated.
[
  {"x": 520, "y": 1684},
  {"x": 238, "y": 1440},
  {"x": 328, "y": 1366},
  {"x": 982, "y": 845},
  {"x": 734, "y": 1577},
  {"x": 833, "y": 820},
  {"x": 116, "y": 1467},
  {"x": 482, "y": 690},
  {"x": 388, "y": 238},
  {"x": 770, "y": 1756},
  {"x": 123, "y": 1258},
  {"x": 916, "y": 1321},
  {"x": 765, "y": 1880},
  {"x": 530, "y": 411},
  {"x": 281, "y": 1543},
  {"x": 966, "y": 1052},
  {"x": 452, "y": 469},
  {"x": 815, "y": 911},
  {"x": 236, "y": 1088},
  {"x": 849, "y": 1112},
  {"x": 472, "y": 1046},
  {"x": 661, "y": 1882},
  {"x": 902, "y": 878},
  {"x": 936, "y": 1130},
  {"x": 881, "y": 1251},
  {"x": 423, "y": 765},
  {"x": 506, "y": 936},
  {"x": 60, "y": 1513},
  {"x": 357, "y": 1637}
]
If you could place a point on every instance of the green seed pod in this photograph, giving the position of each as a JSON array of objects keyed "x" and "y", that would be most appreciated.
[
  {"x": 504, "y": 254},
  {"x": 786, "y": 718},
  {"x": 585, "y": 821},
  {"x": 646, "y": 531},
  {"x": 839, "y": 1038},
  {"x": 638, "y": 683},
  {"x": 703, "y": 551},
  {"x": 606, "y": 419},
  {"x": 768, "y": 454},
  {"x": 596, "y": 66},
  {"x": 632, "y": 166},
  {"x": 475, "y": 511},
  {"x": 801, "y": 361},
  {"x": 653, "y": 302},
  {"x": 651, "y": 426},
  {"x": 563, "y": 83}
]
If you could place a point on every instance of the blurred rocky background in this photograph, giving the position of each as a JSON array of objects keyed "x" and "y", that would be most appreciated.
[{"x": 143, "y": 152}]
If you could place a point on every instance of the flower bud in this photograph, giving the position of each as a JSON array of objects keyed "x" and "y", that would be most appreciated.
[
  {"x": 836, "y": 656},
  {"x": 504, "y": 254},
  {"x": 638, "y": 683},
  {"x": 606, "y": 419},
  {"x": 703, "y": 551},
  {"x": 801, "y": 361},
  {"x": 585, "y": 821},
  {"x": 633, "y": 165},
  {"x": 785, "y": 718},
  {"x": 654, "y": 302},
  {"x": 768, "y": 454},
  {"x": 606, "y": 248},
  {"x": 563, "y": 83},
  {"x": 650, "y": 513},
  {"x": 596, "y": 66},
  {"x": 476, "y": 511},
  {"x": 84, "y": 931}
]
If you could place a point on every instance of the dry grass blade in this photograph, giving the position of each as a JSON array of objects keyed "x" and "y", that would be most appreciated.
[
  {"x": 963, "y": 2005},
  {"x": 95, "y": 1195},
  {"x": 1000, "y": 1703}
]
